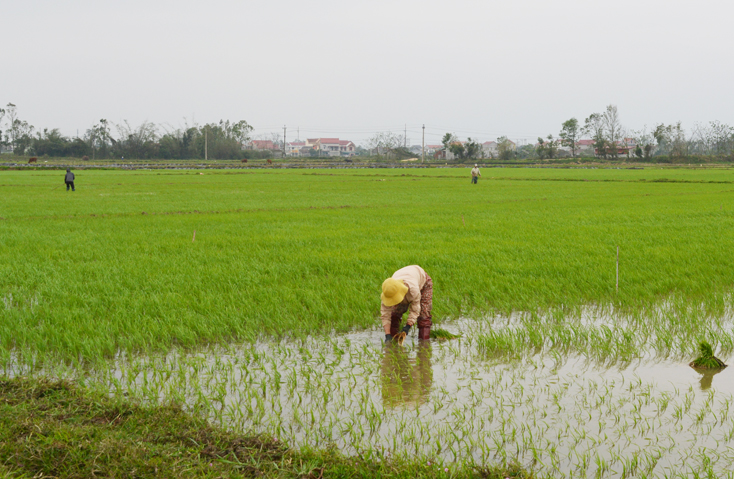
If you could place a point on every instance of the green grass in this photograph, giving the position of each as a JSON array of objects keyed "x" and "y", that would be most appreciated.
[
  {"x": 113, "y": 267},
  {"x": 55, "y": 429}
]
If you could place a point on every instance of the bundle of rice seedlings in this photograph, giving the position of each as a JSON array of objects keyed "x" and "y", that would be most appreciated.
[
  {"x": 707, "y": 360},
  {"x": 443, "y": 335}
]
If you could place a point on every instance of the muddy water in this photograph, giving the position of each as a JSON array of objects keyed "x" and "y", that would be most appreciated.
[{"x": 447, "y": 402}]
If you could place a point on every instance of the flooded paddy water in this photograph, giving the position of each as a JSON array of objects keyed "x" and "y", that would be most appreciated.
[{"x": 445, "y": 402}]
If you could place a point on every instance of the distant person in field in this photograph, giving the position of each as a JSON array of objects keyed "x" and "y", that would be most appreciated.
[
  {"x": 408, "y": 289},
  {"x": 69, "y": 180},
  {"x": 475, "y": 174}
]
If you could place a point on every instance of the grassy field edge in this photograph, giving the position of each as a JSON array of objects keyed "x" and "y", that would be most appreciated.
[{"x": 59, "y": 429}]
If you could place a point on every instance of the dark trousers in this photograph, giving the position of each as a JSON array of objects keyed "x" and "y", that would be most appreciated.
[
  {"x": 474, "y": 179},
  {"x": 68, "y": 184},
  {"x": 424, "y": 318}
]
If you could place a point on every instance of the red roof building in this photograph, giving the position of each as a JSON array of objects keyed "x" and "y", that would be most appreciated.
[{"x": 263, "y": 145}]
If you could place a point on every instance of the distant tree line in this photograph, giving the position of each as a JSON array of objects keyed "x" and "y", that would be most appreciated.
[
  {"x": 386, "y": 144},
  {"x": 610, "y": 139},
  {"x": 607, "y": 138},
  {"x": 104, "y": 140},
  {"x": 463, "y": 150},
  {"x": 225, "y": 140}
]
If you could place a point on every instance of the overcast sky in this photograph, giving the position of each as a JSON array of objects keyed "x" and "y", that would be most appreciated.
[{"x": 349, "y": 69}]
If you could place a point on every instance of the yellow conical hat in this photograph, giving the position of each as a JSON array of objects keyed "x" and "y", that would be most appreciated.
[{"x": 393, "y": 291}]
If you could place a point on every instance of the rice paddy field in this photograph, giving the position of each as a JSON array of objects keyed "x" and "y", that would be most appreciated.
[{"x": 252, "y": 298}]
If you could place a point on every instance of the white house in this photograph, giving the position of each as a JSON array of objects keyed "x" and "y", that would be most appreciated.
[
  {"x": 293, "y": 148},
  {"x": 332, "y": 146},
  {"x": 490, "y": 149}
]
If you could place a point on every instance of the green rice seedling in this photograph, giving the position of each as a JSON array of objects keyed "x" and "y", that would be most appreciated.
[
  {"x": 707, "y": 360},
  {"x": 149, "y": 288},
  {"x": 442, "y": 334}
]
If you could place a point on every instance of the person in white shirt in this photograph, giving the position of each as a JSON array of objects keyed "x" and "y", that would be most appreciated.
[{"x": 475, "y": 174}]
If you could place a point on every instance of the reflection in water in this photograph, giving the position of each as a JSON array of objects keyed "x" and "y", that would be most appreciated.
[
  {"x": 707, "y": 376},
  {"x": 563, "y": 415},
  {"x": 406, "y": 380}
]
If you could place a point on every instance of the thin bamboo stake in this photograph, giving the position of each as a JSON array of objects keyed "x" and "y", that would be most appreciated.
[
  {"x": 194, "y": 238},
  {"x": 617, "y": 269}
]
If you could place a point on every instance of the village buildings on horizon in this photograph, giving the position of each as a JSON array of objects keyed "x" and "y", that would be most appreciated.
[{"x": 335, "y": 147}]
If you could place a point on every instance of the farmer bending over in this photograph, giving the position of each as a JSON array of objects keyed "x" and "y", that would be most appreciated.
[{"x": 409, "y": 289}]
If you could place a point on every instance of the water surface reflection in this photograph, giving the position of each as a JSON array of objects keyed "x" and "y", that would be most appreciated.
[
  {"x": 406, "y": 381},
  {"x": 707, "y": 376}
]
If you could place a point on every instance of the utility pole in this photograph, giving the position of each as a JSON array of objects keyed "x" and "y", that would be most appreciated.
[
  {"x": 206, "y": 143},
  {"x": 423, "y": 145},
  {"x": 283, "y": 141},
  {"x": 405, "y": 137}
]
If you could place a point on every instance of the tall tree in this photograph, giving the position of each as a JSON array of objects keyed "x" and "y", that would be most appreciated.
[
  {"x": 570, "y": 132},
  {"x": 551, "y": 147},
  {"x": 448, "y": 139},
  {"x": 458, "y": 149},
  {"x": 140, "y": 142},
  {"x": 679, "y": 144},
  {"x": 638, "y": 152},
  {"x": 99, "y": 139},
  {"x": 645, "y": 142},
  {"x": 463, "y": 151},
  {"x": 452, "y": 144},
  {"x": 505, "y": 148},
  {"x": 239, "y": 131},
  {"x": 225, "y": 139},
  {"x": 21, "y": 134},
  {"x": 671, "y": 140},
  {"x": 471, "y": 148},
  {"x": 594, "y": 127},
  {"x": 544, "y": 149},
  {"x": 2, "y": 114},
  {"x": 662, "y": 137},
  {"x": 51, "y": 143},
  {"x": 385, "y": 142},
  {"x": 613, "y": 129},
  {"x": 722, "y": 138},
  {"x": 526, "y": 151},
  {"x": 10, "y": 134}
]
